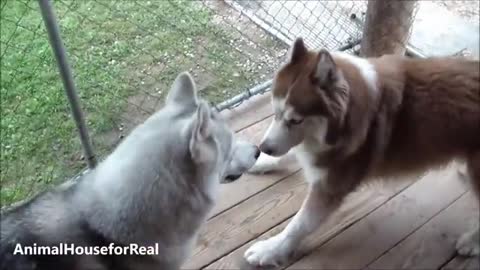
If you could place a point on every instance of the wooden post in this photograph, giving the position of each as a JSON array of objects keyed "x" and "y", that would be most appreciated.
[{"x": 387, "y": 27}]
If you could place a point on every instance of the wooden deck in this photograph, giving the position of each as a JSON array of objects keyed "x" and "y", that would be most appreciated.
[{"x": 411, "y": 225}]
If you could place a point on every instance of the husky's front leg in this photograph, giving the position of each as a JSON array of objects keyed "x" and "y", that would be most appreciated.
[
  {"x": 327, "y": 189},
  {"x": 266, "y": 163},
  {"x": 277, "y": 249}
]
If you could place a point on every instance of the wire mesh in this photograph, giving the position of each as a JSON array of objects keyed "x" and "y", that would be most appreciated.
[
  {"x": 322, "y": 24},
  {"x": 125, "y": 55}
]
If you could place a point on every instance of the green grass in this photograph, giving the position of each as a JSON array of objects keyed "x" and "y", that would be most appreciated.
[{"x": 118, "y": 49}]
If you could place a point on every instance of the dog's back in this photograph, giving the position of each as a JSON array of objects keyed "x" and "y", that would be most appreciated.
[
  {"x": 45, "y": 221},
  {"x": 438, "y": 117}
]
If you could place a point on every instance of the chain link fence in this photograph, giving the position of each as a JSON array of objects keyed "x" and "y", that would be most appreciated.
[{"x": 125, "y": 55}]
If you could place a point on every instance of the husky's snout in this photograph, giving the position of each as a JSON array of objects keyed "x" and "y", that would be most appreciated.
[{"x": 244, "y": 156}]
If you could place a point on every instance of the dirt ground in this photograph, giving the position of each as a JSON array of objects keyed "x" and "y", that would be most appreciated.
[{"x": 468, "y": 10}]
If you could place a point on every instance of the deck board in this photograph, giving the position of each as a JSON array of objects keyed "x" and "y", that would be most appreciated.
[
  {"x": 356, "y": 206},
  {"x": 368, "y": 239},
  {"x": 245, "y": 221},
  {"x": 463, "y": 263},
  {"x": 432, "y": 245},
  {"x": 249, "y": 112}
]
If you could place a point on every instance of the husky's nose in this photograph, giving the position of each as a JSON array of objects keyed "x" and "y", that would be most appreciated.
[
  {"x": 266, "y": 148},
  {"x": 257, "y": 153},
  {"x": 231, "y": 178}
]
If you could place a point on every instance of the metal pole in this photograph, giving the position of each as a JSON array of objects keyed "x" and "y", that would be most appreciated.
[
  {"x": 232, "y": 102},
  {"x": 67, "y": 78}
]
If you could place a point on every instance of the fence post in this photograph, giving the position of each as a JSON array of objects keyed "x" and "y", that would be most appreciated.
[
  {"x": 387, "y": 27},
  {"x": 68, "y": 83}
]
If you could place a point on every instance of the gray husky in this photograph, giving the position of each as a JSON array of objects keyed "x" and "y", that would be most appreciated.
[{"x": 148, "y": 199}]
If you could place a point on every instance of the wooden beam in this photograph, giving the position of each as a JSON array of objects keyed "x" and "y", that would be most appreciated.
[{"x": 387, "y": 27}]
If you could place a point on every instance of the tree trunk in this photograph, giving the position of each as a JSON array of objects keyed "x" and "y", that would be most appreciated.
[{"x": 387, "y": 27}]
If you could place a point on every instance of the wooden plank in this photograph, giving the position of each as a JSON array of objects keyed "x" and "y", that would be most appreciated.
[
  {"x": 356, "y": 206},
  {"x": 249, "y": 112},
  {"x": 243, "y": 222},
  {"x": 235, "y": 260},
  {"x": 366, "y": 240},
  {"x": 463, "y": 263},
  {"x": 240, "y": 190},
  {"x": 387, "y": 26},
  {"x": 249, "y": 185},
  {"x": 434, "y": 243}
]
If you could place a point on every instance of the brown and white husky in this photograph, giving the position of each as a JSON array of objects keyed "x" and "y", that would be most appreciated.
[{"x": 349, "y": 119}]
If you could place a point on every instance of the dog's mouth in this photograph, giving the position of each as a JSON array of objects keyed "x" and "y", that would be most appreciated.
[{"x": 231, "y": 178}]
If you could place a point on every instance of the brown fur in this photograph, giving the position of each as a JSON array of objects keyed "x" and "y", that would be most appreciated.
[{"x": 426, "y": 113}]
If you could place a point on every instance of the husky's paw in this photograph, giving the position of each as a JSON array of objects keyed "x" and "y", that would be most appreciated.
[
  {"x": 469, "y": 243},
  {"x": 265, "y": 164},
  {"x": 274, "y": 251}
]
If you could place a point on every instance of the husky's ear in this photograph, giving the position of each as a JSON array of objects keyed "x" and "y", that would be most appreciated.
[
  {"x": 325, "y": 72},
  {"x": 183, "y": 91},
  {"x": 200, "y": 134},
  {"x": 297, "y": 51}
]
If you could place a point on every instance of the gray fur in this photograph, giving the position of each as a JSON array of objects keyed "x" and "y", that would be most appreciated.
[{"x": 158, "y": 186}]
